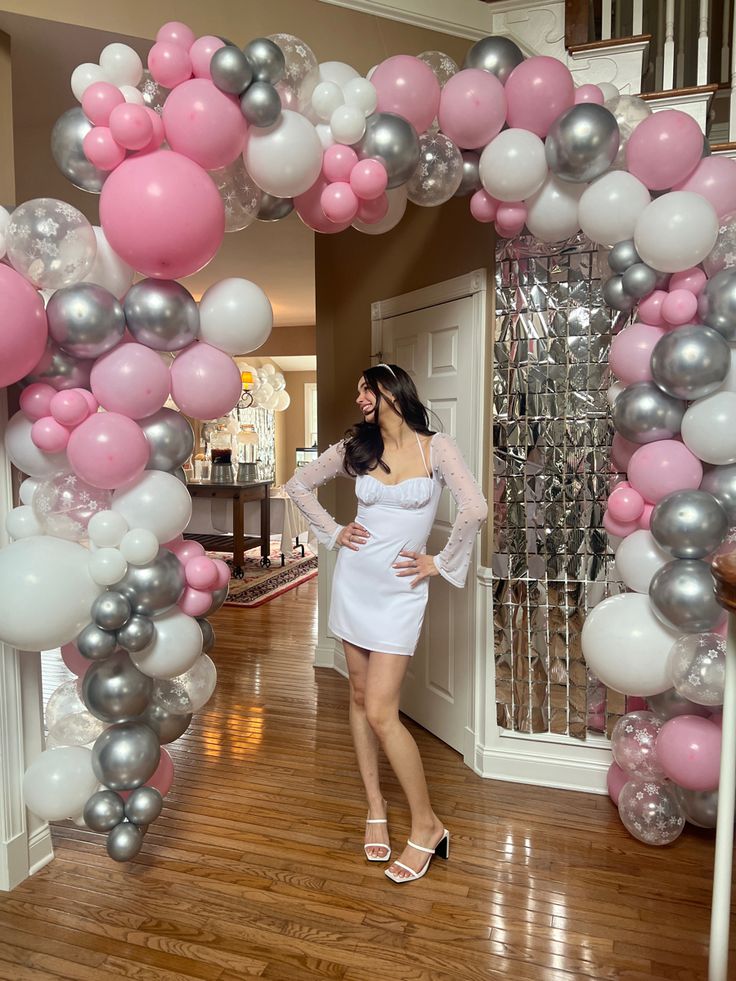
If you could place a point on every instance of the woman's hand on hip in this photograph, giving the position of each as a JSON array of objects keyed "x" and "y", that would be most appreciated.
[
  {"x": 353, "y": 536},
  {"x": 417, "y": 564}
]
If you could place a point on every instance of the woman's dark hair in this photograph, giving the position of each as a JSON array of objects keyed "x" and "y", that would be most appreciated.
[{"x": 364, "y": 442}]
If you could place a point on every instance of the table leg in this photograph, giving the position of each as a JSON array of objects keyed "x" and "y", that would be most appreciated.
[
  {"x": 238, "y": 536},
  {"x": 266, "y": 528}
]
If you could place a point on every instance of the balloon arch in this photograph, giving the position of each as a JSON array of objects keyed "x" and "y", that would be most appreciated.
[{"x": 211, "y": 138}]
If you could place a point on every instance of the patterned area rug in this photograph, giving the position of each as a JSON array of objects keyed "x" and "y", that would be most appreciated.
[{"x": 259, "y": 585}]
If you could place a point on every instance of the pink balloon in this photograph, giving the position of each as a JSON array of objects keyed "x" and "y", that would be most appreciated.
[
  {"x": 374, "y": 210},
  {"x": 162, "y": 214},
  {"x": 204, "y": 124},
  {"x": 201, "y": 54},
  {"x": 99, "y": 100},
  {"x": 650, "y": 309},
  {"x": 101, "y": 149},
  {"x": 715, "y": 179},
  {"x": 689, "y": 751},
  {"x": 472, "y": 108},
  {"x": 589, "y": 93},
  {"x": 339, "y": 202},
  {"x": 618, "y": 528},
  {"x": 223, "y": 573},
  {"x": 622, "y": 450},
  {"x": 175, "y": 32},
  {"x": 205, "y": 382},
  {"x": 163, "y": 776},
  {"x": 185, "y": 550},
  {"x": 660, "y": 468},
  {"x": 407, "y": 87},
  {"x": 108, "y": 450},
  {"x": 92, "y": 403},
  {"x": 132, "y": 380},
  {"x": 201, "y": 572},
  {"x": 631, "y": 352},
  {"x": 309, "y": 208},
  {"x": 689, "y": 279},
  {"x": 510, "y": 218},
  {"x": 368, "y": 179},
  {"x": 169, "y": 64},
  {"x": 338, "y": 162},
  {"x": 157, "y": 131},
  {"x": 483, "y": 207},
  {"x": 77, "y": 664},
  {"x": 644, "y": 521},
  {"x": 49, "y": 435},
  {"x": 131, "y": 126},
  {"x": 615, "y": 780},
  {"x": 195, "y": 602},
  {"x": 35, "y": 401},
  {"x": 664, "y": 149},
  {"x": 625, "y": 504},
  {"x": 538, "y": 91},
  {"x": 69, "y": 407},
  {"x": 679, "y": 307},
  {"x": 635, "y": 703}
]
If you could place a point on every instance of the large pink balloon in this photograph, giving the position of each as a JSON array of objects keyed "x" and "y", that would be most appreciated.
[
  {"x": 162, "y": 214},
  {"x": 76, "y": 663},
  {"x": 23, "y": 327},
  {"x": 204, "y": 124},
  {"x": 689, "y": 751},
  {"x": 472, "y": 108},
  {"x": 715, "y": 179},
  {"x": 131, "y": 379},
  {"x": 664, "y": 149},
  {"x": 205, "y": 382},
  {"x": 108, "y": 450},
  {"x": 538, "y": 91},
  {"x": 408, "y": 87},
  {"x": 631, "y": 352},
  {"x": 309, "y": 208},
  {"x": 658, "y": 469}
]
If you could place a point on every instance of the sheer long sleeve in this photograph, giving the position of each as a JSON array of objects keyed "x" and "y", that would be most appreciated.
[
  {"x": 454, "y": 559},
  {"x": 301, "y": 489}
]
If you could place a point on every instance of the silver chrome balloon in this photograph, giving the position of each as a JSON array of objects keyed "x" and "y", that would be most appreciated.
[
  {"x": 60, "y": 370},
  {"x": 669, "y": 704},
  {"x": 230, "y": 70},
  {"x": 179, "y": 474},
  {"x": 721, "y": 483},
  {"x": 218, "y": 598},
  {"x": 623, "y": 255},
  {"x": 161, "y": 314},
  {"x": 689, "y": 524},
  {"x": 85, "y": 320},
  {"x": 700, "y": 807},
  {"x": 639, "y": 280},
  {"x": 208, "y": 633},
  {"x": 683, "y": 596},
  {"x": 167, "y": 725},
  {"x": 470, "y": 181},
  {"x": 266, "y": 59},
  {"x": 170, "y": 437},
  {"x": 495, "y": 54},
  {"x": 615, "y": 297},
  {"x": 114, "y": 690},
  {"x": 393, "y": 141},
  {"x": 104, "y": 810},
  {"x": 144, "y": 805},
  {"x": 261, "y": 104},
  {"x": 137, "y": 633},
  {"x": 717, "y": 304},
  {"x": 582, "y": 143},
  {"x": 67, "y": 138},
  {"x": 111, "y": 610},
  {"x": 690, "y": 362},
  {"x": 273, "y": 208},
  {"x": 643, "y": 413},
  {"x": 124, "y": 842},
  {"x": 155, "y": 587},
  {"x": 125, "y": 755},
  {"x": 95, "y": 643}
]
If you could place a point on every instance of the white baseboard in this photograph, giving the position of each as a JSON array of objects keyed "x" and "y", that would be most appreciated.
[
  {"x": 40, "y": 849},
  {"x": 544, "y": 764}
]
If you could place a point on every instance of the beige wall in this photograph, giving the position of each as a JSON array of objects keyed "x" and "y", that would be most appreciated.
[
  {"x": 288, "y": 341},
  {"x": 290, "y": 424},
  {"x": 7, "y": 166}
]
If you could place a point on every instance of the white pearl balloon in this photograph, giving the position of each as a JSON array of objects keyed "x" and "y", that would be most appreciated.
[
  {"x": 347, "y": 124},
  {"x": 139, "y": 546},
  {"x": 22, "y": 522},
  {"x": 337, "y": 71},
  {"x": 609, "y": 90},
  {"x": 235, "y": 315},
  {"x": 611, "y": 206},
  {"x": 132, "y": 95},
  {"x": 638, "y": 557},
  {"x": 361, "y": 93},
  {"x": 59, "y": 783},
  {"x": 108, "y": 269},
  {"x": 552, "y": 213},
  {"x": 284, "y": 159},
  {"x": 157, "y": 501},
  {"x": 106, "y": 529},
  {"x": 107, "y": 566},
  {"x": 175, "y": 647},
  {"x": 27, "y": 489},
  {"x": 85, "y": 75},
  {"x": 25, "y": 455},
  {"x": 513, "y": 165},
  {"x": 676, "y": 231},
  {"x": 325, "y": 135},
  {"x": 121, "y": 64},
  {"x": 708, "y": 428},
  {"x": 326, "y": 97}
]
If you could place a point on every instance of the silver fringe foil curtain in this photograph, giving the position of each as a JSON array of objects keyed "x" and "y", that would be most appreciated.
[{"x": 551, "y": 441}]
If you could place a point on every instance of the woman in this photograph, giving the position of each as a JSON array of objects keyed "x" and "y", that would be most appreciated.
[{"x": 381, "y": 583}]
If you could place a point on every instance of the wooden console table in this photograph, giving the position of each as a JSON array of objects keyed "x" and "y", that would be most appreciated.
[{"x": 238, "y": 494}]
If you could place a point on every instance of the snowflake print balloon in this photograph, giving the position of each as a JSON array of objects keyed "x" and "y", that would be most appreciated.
[
  {"x": 50, "y": 243},
  {"x": 439, "y": 171},
  {"x": 634, "y": 744},
  {"x": 651, "y": 812}
]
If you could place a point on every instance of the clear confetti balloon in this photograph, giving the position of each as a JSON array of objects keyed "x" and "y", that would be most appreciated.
[
  {"x": 441, "y": 64},
  {"x": 651, "y": 812},
  {"x": 64, "y": 701},
  {"x": 723, "y": 254},
  {"x": 697, "y": 667},
  {"x": 438, "y": 173},
  {"x": 154, "y": 95},
  {"x": 629, "y": 111},
  {"x": 188, "y": 692},
  {"x": 301, "y": 73},
  {"x": 77, "y": 729},
  {"x": 634, "y": 744},
  {"x": 50, "y": 243},
  {"x": 65, "y": 504},
  {"x": 240, "y": 195}
]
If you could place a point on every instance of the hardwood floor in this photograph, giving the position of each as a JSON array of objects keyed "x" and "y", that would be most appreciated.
[{"x": 255, "y": 868}]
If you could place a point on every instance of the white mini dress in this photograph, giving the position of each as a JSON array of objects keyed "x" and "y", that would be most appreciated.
[{"x": 372, "y": 607}]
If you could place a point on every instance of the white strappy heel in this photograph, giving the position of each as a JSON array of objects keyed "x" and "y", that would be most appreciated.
[
  {"x": 441, "y": 849},
  {"x": 378, "y": 844}
]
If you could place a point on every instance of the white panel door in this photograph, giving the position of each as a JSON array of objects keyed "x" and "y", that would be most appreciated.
[{"x": 436, "y": 346}]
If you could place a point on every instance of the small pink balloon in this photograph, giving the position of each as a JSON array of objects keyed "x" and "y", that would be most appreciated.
[
  {"x": 622, "y": 450},
  {"x": 101, "y": 149},
  {"x": 679, "y": 307},
  {"x": 644, "y": 521},
  {"x": 204, "y": 124},
  {"x": 77, "y": 664},
  {"x": 99, "y": 100},
  {"x": 92, "y": 403},
  {"x": 339, "y": 202},
  {"x": 483, "y": 207},
  {"x": 185, "y": 550},
  {"x": 615, "y": 780},
  {"x": 664, "y": 149},
  {"x": 131, "y": 126},
  {"x": 195, "y": 602},
  {"x": 175, "y": 32},
  {"x": 69, "y": 407},
  {"x": 338, "y": 163},
  {"x": 631, "y": 352},
  {"x": 689, "y": 752},
  {"x": 309, "y": 208},
  {"x": 690, "y": 279},
  {"x": 660, "y": 468},
  {"x": 510, "y": 218},
  {"x": 35, "y": 401},
  {"x": 174, "y": 543},
  {"x": 369, "y": 179},
  {"x": 205, "y": 382},
  {"x": 407, "y": 87},
  {"x": 650, "y": 309},
  {"x": 472, "y": 108},
  {"x": 131, "y": 379},
  {"x": 108, "y": 450},
  {"x": 589, "y": 93},
  {"x": 373, "y": 211},
  {"x": 49, "y": 435},
  {"x": 714, "y": 179},
  {"x": 635, "y": 703},
  {"x": 157, "y": 131},
  {"x": 618, "y": 528},
  {"x": 625, "y": 504},
  {"x": 538, "y": 91},
  {"x": 201, "y": 572},
  {"x": 162, "y": 779},
  {"x": 169, "y": 64},
  {"x": 717, "y": 718},
  {"x": 223, "y": 573},
  {"x": 201, "y": 54}
]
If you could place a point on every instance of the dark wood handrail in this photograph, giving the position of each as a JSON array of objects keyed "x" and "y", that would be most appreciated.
[{"x": 724, "y": 573}]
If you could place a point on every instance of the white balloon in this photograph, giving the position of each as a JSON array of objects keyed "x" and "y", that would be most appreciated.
[
  {"x": 85, "y": 75},
  {"x": 22, "y": 522},
  {"x": 139, "y": 546},
  {"x": 27, "y": 489},
  {"x": 325, "y": 135},
  {"x": 676, "y": 231},
  {"x": 59, "y": 783},
  {"x": 361, "y": 93},
  {"x": 609, "y": 90},
  {"x": 327, "y": 96},
  {"x": 46, "y": 592},
  {"x": 513, "y": 165},
  {"x": 268, "y": 369},
  {"x": 108, "y": 269},
  {"x": 338, "y": 72},
  {"x": 283, "y": 401},
  {"x": 284, "y": 159},
  {"x": 132, "y": 95},
  {"x": 121, "y": 64},
  {"x": 25, "y": 455},
  {"x": 552, "y": 213},
  {"x": 347, "y": 124},
  {"x": 729, "y": 383},
  {"x": 157, "y": 501},
  {"x": 396, "y": 208},
  {"x": 107, "y": 566},
  {"x": 638, "y": 557},
  {"x": 106, "y": 529},
  {"x": 611, "y": 206},
  {"x": 614, "y": 391},
  {"x": 4, "y": 222},
  {"x": 63, "y": 702},
  {"x": 235, "y": 316},
  {"x": 626, "y": 647},
  {"x": 176, "y": 646},
  {"x": 708, "y": 428}
]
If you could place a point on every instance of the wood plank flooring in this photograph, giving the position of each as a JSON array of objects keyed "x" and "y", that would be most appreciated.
[{"x": 255, "y": 868}]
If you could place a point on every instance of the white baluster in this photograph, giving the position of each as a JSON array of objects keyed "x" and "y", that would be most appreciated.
[
  {"x": 637, "y": 18},
  {"x": 732, "y": 116},
  {"x": 606, "y": 20},
  {"x": 703, "y": 25},
  {"x": 668, "y": 68},
  {"x": 680, "y": 57},
  {"x": 659, "y": 50}
]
